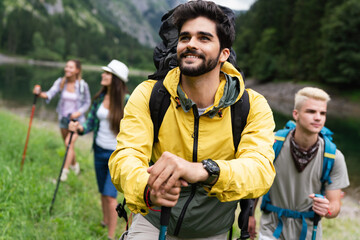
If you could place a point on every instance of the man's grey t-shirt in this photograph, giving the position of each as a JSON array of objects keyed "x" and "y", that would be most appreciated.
[{"x": 291, "y": 189}]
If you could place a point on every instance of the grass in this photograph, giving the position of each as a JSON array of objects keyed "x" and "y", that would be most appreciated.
[{"x": 25, "y": 197}]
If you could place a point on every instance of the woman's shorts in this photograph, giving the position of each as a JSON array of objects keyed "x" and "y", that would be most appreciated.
[
  {"x": 64, "y": 122},
  {"x": 105, "y": 186}
]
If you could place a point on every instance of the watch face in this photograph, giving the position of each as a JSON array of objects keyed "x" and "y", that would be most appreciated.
[
  {"x": 211, "y": 167},
  {"x": 214, "y": 171}
]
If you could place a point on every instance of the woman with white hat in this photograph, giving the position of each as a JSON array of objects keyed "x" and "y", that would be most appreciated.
[{"x": 104, "y": 119}]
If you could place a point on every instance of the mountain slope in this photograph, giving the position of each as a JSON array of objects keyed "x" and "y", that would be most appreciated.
[
  {"x": 91, "y": 30},
  {"x": 140, "y": 19}
]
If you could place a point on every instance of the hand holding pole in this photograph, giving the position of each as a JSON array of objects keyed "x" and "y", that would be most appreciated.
[{"x": 316, "y": 219}]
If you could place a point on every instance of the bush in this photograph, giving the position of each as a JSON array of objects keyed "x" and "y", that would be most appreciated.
[
  {"x": 45, "y": 54},
  {"x": 341, "y": 49}
]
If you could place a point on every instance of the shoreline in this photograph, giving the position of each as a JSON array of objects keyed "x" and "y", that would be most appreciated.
[
  {"x": 5, "y": 59},
  {"x": 280, "y": 96}
]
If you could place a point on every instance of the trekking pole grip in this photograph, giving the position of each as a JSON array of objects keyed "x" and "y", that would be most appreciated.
[
  {"x": 316, "y": 219},
  {"x": 165, "y": 216},
  {"x": 71, "y": 132},
  {"x": 35, "y": 97}
]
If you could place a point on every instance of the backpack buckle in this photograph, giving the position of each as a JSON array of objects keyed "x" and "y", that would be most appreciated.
[{"x": 120, "y": 209}]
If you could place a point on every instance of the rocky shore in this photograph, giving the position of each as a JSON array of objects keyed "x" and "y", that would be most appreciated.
[{"x": 281, "y": 98}]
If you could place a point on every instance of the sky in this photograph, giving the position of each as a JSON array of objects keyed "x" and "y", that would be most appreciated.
[{"x": 235, "y": 4}]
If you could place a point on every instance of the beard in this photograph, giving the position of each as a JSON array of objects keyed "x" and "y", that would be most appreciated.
[{"x": 193, "y": 71}]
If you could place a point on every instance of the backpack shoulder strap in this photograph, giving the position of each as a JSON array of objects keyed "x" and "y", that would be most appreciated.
[
  {"x": 158, "y": 104},
  {"x": 328, "y": 162},
  {"x": 280, "y": 137},
  {"x": 82, "y": 86},
  {"x": 239, "y": 114},
  {"x": 126, "y": 98}
]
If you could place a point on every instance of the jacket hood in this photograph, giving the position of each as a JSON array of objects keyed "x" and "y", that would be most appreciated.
[{"x": 230, "y": 89}]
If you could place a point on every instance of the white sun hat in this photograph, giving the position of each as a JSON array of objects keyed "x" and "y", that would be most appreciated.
[{"x": 117, "y": 68}]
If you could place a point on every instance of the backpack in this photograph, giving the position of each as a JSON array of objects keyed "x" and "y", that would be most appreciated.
[{"x": 328, "y": 163}]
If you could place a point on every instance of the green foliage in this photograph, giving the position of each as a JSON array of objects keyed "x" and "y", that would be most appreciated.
[
  {"x": 311, "y": 40},
  {"x": 305, "y": 40},
  {"x": 341, "y": 49},
  {"x": 45, "y": 54},
  {"x": 38, "y": 41},
  {"x": 25, "y": 197},
  {"x": 76, "y": 33},
  {"x": 73, "y": 49},
  {"x": 264, "y": 62},
  {"x": 1, "y": 17},
  {"x": 59, "y": 46},
  {"x": 41, "y": 52},
  {"x": 262, "y": 41}
]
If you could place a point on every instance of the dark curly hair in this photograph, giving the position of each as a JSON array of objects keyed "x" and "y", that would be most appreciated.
[{"x": 198, "y": 8}]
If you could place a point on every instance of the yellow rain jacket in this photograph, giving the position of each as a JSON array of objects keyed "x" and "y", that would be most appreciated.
[{"x": 248, "y": 173}]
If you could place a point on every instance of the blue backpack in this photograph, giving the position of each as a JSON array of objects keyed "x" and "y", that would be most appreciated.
[{"x": 328, "y": 163}]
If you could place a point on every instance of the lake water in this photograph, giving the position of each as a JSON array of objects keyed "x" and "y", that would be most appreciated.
[{"x": 17, "y": 81}]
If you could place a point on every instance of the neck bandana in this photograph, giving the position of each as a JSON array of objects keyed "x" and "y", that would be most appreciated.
[{"x": 301, "y": 156}]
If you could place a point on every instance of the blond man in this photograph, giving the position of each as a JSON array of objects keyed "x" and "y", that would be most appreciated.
[{"x": 297, "y": 196}]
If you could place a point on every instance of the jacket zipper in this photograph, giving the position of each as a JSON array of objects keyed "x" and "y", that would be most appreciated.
[{"x": 193, "y": 187}]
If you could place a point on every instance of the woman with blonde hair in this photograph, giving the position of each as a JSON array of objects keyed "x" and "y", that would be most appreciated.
[{"x": 74, "y": 102}]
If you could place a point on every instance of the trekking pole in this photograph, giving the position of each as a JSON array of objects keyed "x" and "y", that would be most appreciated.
[
  {"x": 246, "y": 206},
  {"x": 164, "y": 222},
  {"x": 316, "y": 222},
  {"x": 316, "y": 219},
  {"x": 28, "y": 132},
  {"x": 62, "y": 167}
]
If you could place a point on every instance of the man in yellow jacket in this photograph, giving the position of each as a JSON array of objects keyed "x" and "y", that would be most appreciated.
[{"x": 194, "y": 166}]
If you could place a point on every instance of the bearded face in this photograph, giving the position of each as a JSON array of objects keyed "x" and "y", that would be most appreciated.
[
  {"x": 205, "y": 65},
  {"x": 198, "y": 49}
]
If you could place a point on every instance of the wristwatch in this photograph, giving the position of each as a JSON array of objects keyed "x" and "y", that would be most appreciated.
[{"x": 214, "y": 171}]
